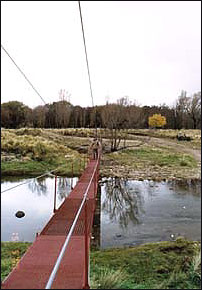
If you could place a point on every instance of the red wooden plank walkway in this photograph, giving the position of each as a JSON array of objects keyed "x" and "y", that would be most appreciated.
[{"x": 35, "y": 267}]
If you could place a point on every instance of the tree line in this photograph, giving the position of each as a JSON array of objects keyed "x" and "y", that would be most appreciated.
[{"x": 123, "y": 114}]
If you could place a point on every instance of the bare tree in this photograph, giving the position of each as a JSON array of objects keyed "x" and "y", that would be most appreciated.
[
  {"x": 194, "y": 109},
  {"x": 188, "y": 111},
  {"x": 63, "y": 110},
  {"x": 39, "y": 116},
  {"x": 181, "y": 111},
  {"x": 114, "y": 118}
]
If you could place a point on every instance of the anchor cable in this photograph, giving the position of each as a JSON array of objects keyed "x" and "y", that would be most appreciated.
[{"x": 23, "y": 74}]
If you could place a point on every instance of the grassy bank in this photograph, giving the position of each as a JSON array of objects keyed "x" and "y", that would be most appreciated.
[
  {"x": 149, "y": 162},
  {"x": 163, "y": 265},
  {"x": 11, "y": 252},
  {"x": 35, "y": 151},
  {"x": 32, "y": 152}
]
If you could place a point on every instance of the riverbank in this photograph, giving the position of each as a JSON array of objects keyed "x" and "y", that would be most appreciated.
[
  {"x": 162, "y": 265},
  {"x": 145, "y": 154},
  {"x": 152, "y": 163},
  {"x": 32, "y": 152}
]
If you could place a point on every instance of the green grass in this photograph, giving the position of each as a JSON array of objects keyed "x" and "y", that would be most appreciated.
[
  {"x": 24, "y": 168},
  {"x": 162, "y": 265},
  {"x": 10, "y": 254},
  {"x": 155, "y": 157},
  {"x": 33, "y": 168},
  {"x": 106, "y": 278}
]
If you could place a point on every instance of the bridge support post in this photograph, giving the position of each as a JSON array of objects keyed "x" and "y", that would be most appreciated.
[
  {"x": 94, "y": 183},
  {"x": 80, "y": 166},
  {"x": 86, "y": 284},
  {"x": 72, "y": 175},
  {"x": 54, "y": 208}
]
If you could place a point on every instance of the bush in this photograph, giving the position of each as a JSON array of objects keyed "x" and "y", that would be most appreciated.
[
  {"x": 28, "y": 131},
  {"x": 108, "y": 279}
]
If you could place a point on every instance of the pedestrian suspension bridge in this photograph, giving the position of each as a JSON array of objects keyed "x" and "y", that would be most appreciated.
[{"x": 59, "y": 256}]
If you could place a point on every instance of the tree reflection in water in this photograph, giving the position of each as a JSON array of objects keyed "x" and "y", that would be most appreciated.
[
  {"x": 39, "y": 186},
  {"x": 186, "y": 186},
  {"x": 63, "y": 187},
  {"x": 121, "y": 202}
]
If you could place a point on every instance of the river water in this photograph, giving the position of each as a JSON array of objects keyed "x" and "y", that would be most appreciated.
[
  {"x": 137, "y": 212},
  {"x": 36, "y": 200},
  {"x": 128, "y": 212}
]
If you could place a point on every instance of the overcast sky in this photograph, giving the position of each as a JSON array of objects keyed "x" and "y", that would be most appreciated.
[{"x": 146, "y": 50}]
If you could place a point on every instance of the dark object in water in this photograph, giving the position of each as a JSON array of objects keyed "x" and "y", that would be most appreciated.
[
  {"x": 20, "y": 214},
  {"x": 183, "y": 137}
]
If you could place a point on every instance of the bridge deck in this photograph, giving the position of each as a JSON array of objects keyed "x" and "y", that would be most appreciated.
[{"x": 35, "y": 267}]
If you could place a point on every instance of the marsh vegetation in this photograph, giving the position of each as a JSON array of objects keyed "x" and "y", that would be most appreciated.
[{"x": 141, "y": 153}]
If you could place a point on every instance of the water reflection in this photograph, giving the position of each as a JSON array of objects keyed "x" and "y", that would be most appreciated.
[
  {"x": 63, "y": 188},
  {"x": 188, "y": 186},
  {"x": 122, "y": 204},
  {"x": 38, "y": 186},
  {"x": 131, "y": 212},
  {"x": 36, "y": 200},
  {"x": 136, "y": 212},
  {"x": 95, "y": 242}
]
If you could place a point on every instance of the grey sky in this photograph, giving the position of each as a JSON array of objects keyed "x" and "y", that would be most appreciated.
[{"x": 147, "y": 50}]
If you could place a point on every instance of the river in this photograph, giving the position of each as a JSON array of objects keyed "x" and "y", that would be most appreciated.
[{"x": 129, "y": 212}]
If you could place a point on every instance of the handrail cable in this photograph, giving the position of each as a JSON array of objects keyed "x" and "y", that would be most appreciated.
[
  {"x": 87, "y": 65},
  {"x": 59, "y": 259},
  {"x": 29, "y": 180},
  {"x": 23, "y": 74}
]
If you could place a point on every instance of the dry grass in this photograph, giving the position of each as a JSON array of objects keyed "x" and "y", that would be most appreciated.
[
  {"x": 63, "y": 145},
  {"x": 28, "y": 145},
  {"x": 169, "y": 133},
  {"x": 33, "y": 151}
]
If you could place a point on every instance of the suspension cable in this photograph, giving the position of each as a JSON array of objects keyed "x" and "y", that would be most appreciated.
[
  {"x": 23, "y": 74},
  {"x": 87, "y": 65}
]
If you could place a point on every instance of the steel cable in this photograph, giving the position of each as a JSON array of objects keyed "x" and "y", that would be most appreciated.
[
  {"x": 23, "y": 74},
  {"x": 87, "y": 64}
]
